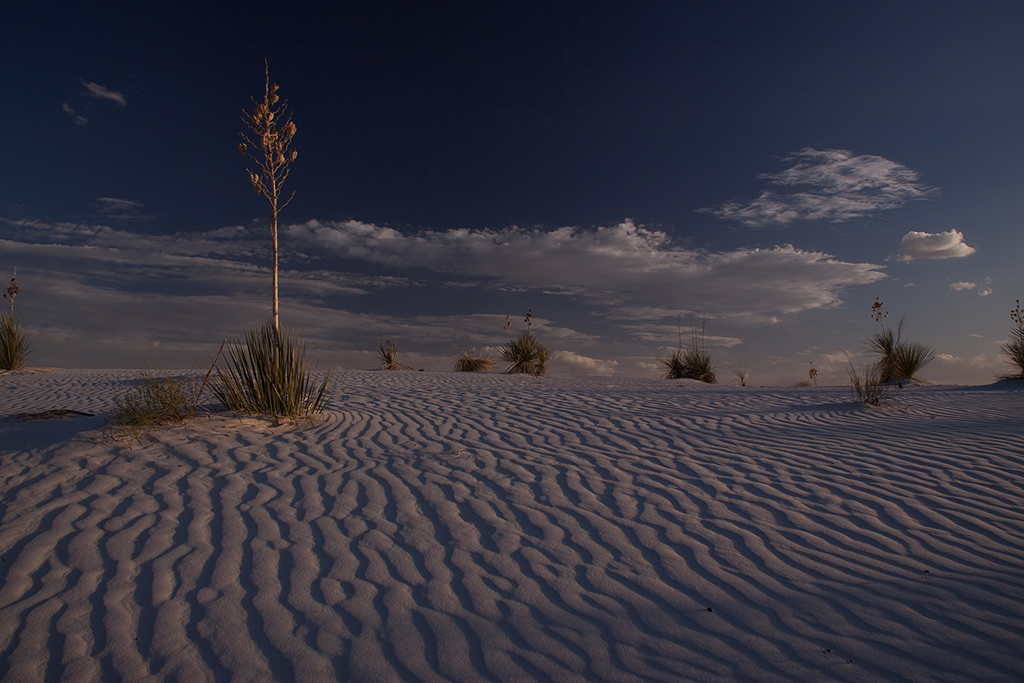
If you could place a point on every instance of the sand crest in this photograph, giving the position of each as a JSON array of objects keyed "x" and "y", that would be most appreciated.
[{"x": 458, "y": 527}]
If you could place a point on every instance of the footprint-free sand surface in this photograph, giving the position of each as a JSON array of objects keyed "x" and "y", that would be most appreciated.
[{"x": 460, "y": 527}]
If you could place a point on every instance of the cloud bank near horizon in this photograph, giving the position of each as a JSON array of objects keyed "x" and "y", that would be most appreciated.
[
  {"x": 830, "y": 184},
  {"x": 633, "y": 272}
]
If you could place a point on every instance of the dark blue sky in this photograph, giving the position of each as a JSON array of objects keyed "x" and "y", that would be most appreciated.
[{"x": 836, "y": 128}]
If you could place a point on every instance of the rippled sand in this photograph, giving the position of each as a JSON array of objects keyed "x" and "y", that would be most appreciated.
[{"x": 457, "y": 527}]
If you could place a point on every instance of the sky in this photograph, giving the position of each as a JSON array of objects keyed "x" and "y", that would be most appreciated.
[{"x": 625, "y": 172}]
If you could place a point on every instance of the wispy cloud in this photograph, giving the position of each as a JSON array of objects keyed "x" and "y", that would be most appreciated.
[
  {"x": 98, "y": 91},
  {"x": 121, "y": 209},
  {"x": 79, "y": 120},
  {"x": 831, "y": 184},
  {"x": 961, "y": 286},
  {"x": 630, "y": 271},
  {"x": 927, "y": 245}
]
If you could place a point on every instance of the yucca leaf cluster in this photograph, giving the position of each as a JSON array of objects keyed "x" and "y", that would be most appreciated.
[
  {"x": 898, "y": 360},
  {"x": 526, "y": 355},
  {"x": 268, "y": 375},
  {"x": 694, "y": 362},
  {"x": 14, "y": 344},
  {"x": 690, "y": 364}
]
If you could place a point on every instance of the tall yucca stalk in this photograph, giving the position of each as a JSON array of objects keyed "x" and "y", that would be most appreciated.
[
  {"x": 268, "y": 376},
  {"x": 271, "y": 140}
]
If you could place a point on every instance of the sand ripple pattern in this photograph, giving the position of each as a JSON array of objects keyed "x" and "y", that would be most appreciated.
[{"x": 443, "y": 527}]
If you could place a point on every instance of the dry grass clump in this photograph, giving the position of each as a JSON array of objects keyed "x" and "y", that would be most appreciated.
[
  {"x": 156, "y": 400},
  {"x": 268, "y": 375},
  {"x": 387, "y": 352},
  {"x": 470, "y": 361},
  {"x": 868, "y": 387},
  {"x": 14, "y": 345},
  {"x": 1013, "y": 349},
  {"x": 694, "y": 362}
]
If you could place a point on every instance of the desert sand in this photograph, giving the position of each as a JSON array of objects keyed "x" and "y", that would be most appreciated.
[{"x": 471, "y": 527}]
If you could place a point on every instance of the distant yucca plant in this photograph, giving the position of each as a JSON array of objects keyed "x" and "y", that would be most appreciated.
[
  {"x": 14, "y": 345},
  {"x": 691, "y": 363},
  {"x": 470, "y": 362},
  {"x": 387, "y": 352},
  {"x": 526, "y": 355},
  {"x": 268, "y": 375},
  {"x": 1013, "y": 349}
]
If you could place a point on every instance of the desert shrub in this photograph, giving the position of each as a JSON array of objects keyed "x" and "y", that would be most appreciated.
[
  {"x": 387, "y": 352},
  {"x": 526, "y": 355},
  {"x": 14, "y": 345},
  {"x": 1013, "y": 349},
  {"x": 268, "y": 375},
  {"x": 869, "y": 387},
  {"x": 469, "y": 361},
  {"x": 155, "y": 401},
  {"x": 694, "y": 362},
  {"x": 740, "y": 371}
]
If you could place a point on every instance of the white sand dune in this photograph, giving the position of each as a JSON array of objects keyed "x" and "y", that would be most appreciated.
[{"x": 456, "y": 527}]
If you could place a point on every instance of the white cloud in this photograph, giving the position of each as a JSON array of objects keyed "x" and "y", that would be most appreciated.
[
  {"x": 583, "y": 365},
  {"x": 836, "y": 186},
  {"x": 79, "y": 120},
  {"x": 927, "y": 245},
  {"x": 629, "y": 270},
  {"x": 961, "y": 286},
  {"x": 98, "y": 91}
]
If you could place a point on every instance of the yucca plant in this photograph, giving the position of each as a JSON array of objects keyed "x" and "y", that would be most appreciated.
[
  {"x": 470, "y": 361},
  {"x": 526, "y": 355},
  {"x": 268, "y": 375},
  {"x": 1013, "y": 349},
  {"x": 14, "y": 345},
  {"x": 690, "y": 364},
  {"x": 897, "y": 360}
]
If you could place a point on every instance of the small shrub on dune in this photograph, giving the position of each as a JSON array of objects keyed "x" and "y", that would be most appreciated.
[
  {"x": 1013, "y": 349},
  {"x": 268, "y": 375},
  {"x": 868, "y": 387},
  {"x": 387, "y": 352},
  {"x": 469, "y": 361},
  {"x": 155, "y": 401}
]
